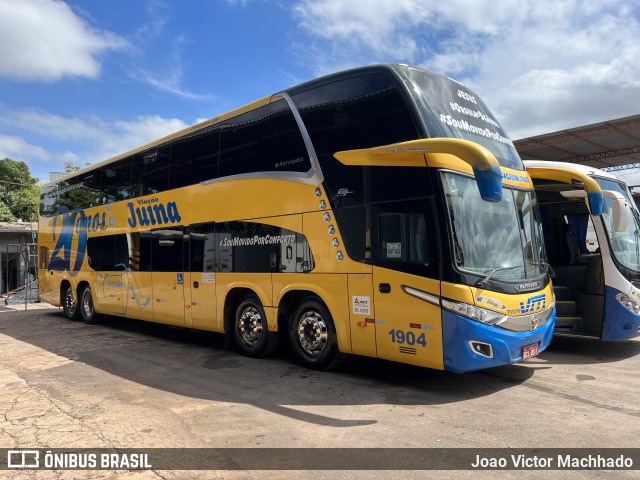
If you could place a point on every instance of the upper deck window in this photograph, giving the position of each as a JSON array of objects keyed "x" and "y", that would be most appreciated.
[{"x": 265, "y": 140}]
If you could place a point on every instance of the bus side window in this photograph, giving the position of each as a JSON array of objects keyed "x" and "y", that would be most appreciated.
[
  {"x": 121, "y": 252},
  {"x": 263, "y": 140},
  {"x": 139, "y": 244},
  {"x": 195, "y": 160},
  {"x": 352, "y": 222},
  {"x": 404, "y": 239},
  {"x": 101, "y": 253},
  {"x": 202, "y": 247},
  {"x": 167, "y": 250}
]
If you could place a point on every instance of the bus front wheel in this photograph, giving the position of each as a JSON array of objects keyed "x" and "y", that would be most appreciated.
[
  {"x": 69, "y": 304},
  {"x": 250, "y": 329},
  {"x": 87, "y": 308},
  {"x": 313, "y": 336}
]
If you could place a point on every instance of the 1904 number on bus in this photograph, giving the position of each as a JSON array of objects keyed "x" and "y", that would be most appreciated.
[{"x": 401, "y": 337}]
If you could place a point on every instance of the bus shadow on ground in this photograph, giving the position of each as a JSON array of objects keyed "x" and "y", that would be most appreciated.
[
  {"x": 577, "y": 350},
  {"x": 195, "y": 364}
]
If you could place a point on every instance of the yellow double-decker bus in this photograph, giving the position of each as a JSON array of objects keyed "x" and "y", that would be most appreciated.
[{"x": 380, "y": 211}]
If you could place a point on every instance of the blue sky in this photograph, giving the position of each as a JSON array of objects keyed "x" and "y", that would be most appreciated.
[{"x": 84, "y": 80}]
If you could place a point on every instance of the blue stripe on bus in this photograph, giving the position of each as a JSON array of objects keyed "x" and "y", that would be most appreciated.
[
  {"x": 507, "y": 346},
  {"x": 619, "y": 323}
]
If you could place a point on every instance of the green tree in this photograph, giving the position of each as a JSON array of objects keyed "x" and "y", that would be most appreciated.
[{"x": 19, "y": 193}]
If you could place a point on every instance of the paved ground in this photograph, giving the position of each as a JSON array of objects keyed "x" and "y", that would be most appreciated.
[{"x": 132, "y": 384}]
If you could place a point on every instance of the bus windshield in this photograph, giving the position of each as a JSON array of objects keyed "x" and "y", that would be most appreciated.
[
  {"x": 624, "y": 245},
  {"x": 448, "y": 109},
  {"x": 487, "y": 236}
]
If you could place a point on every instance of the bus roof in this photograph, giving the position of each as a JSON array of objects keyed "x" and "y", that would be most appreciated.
[{"x": 571, "y": 167}]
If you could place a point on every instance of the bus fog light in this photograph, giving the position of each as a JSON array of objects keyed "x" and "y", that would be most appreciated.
[
  {"x": 481, "y": 348},
  {"x": 628, "y": 303}
]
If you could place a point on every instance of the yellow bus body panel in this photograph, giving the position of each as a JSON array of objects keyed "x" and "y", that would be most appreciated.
[{"x": 408, "y": 329}]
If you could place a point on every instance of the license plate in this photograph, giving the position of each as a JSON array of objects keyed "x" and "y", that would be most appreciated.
[{"x": 530, "y": 351}]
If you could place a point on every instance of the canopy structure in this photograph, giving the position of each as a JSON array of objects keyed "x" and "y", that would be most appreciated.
[{"x": 612, "y": 145}]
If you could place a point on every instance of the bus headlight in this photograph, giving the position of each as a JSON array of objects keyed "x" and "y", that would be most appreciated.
[
  {"x": 628, "y": 303},
  {"x": 482, "y": 315}
]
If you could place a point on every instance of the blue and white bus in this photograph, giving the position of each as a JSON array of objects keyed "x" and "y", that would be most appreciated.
[{"x": 592, "y": 235}]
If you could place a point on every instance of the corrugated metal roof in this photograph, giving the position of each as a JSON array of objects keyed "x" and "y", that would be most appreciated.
[
  {"x": 609, "y": 144},
  {"x": 18, "y": 226}
]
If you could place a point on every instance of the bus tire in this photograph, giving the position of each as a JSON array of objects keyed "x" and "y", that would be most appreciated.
[
  {"x": 87, "y": 307},
  {"x": 313, "y": 336},
  {"x": 70, "y": 304},
  {"x": 251, "y": 329}
]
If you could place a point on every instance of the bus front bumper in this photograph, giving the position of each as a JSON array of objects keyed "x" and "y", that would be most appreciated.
[
  {"x": 465, "y": 340},
  {"x": 619, "y": 322}
]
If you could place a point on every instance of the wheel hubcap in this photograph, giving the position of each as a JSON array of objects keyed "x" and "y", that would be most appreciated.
[
  {"x": 87, "y": 305},
  {"x": 313, "y": 333},
  {"x": 250, "y": 325},
  {"x": 70, "y": 302}
]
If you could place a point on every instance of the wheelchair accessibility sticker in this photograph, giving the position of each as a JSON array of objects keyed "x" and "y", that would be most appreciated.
[{"x": 180, "y": 278}]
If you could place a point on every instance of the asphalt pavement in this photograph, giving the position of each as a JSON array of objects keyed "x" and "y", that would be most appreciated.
[{"x": 127, "y": 384}]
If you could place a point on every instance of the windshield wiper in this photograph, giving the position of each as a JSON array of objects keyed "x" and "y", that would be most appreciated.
[
  {"x": 483, "y": 282},
  {"x": 550, "y": 271}
]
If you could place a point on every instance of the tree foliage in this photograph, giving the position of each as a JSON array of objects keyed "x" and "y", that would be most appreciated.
[{"x": 19, "y": 192}]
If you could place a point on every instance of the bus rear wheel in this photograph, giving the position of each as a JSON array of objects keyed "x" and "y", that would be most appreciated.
[
  {"x": 69, "y": 304},
  {"x": 251, "y": 330},
  {"x": 313, "y": 336},
  {"x": 87, "y": 308}
]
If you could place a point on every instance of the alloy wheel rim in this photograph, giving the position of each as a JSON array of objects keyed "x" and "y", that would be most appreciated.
[
  {"x": 87, "y": 305},
  {"x": 313, "y": 333},
  {"x": 70, "y": 302},
  {"x": 251, "y": 326}
]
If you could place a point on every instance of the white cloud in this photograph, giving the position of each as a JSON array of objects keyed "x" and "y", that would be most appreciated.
[
  {"x": 129, "y": 134},
  {"x": 158, "y": 18},
  {"x": 169, "y": 76},
  {"x": 40, "y": 160},
  {"x": 539, "y": 64},
  {"x": 17, "y": 148},
  {"x": 45, "y": 40},
  {"x": 54, "y": 126},
  {"x": 124, "y": 134},
  {"x": 80, "y": 140}
]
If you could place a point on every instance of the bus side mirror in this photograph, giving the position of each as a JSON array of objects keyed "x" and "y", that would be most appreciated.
[
  {"x": 595, "y": 199},
  {"x": 620, "y": 210},
  {"x": 489, "y": 181}
]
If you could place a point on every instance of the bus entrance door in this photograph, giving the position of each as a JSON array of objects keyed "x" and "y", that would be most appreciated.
[
  {"x": 168, "y": 276},
  {"x": 201, "y": 285},
  {"x": 408, "y": 318}
]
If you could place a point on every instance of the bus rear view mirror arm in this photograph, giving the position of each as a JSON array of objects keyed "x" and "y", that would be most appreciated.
[
  {"x": 486, "y": 169},
  {"x": 618, "y": 204}
]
